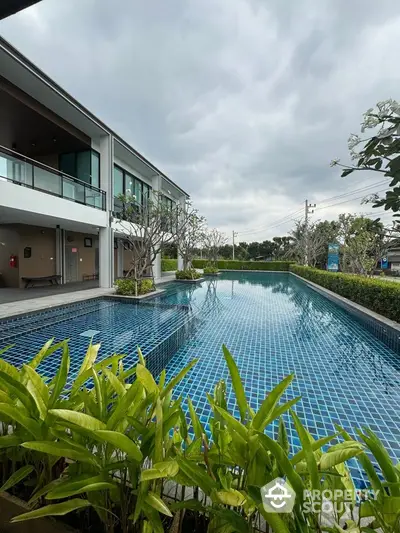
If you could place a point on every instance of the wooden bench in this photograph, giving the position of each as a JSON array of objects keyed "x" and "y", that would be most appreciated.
[
  {"x": 54, "y": 280},
  {"x": 90, "y": 277}
]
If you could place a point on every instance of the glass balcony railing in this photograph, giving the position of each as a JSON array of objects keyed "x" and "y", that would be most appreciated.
[{"x": 29, "y": 173}]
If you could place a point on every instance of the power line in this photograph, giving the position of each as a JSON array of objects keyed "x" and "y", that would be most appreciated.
[
  {"x": 283, "y": 220},
  {"x": 349, "y": 200},
  {"x": 377, "y": 184}
]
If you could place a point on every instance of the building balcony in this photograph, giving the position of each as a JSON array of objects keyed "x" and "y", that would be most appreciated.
[{"x": 27, "y": 172}]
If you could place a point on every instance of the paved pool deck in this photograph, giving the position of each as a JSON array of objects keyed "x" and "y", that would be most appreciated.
[{"x": 55, "y": 296}]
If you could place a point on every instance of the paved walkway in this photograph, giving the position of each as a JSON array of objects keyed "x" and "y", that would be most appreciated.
[{"x": 55, "y": 296}]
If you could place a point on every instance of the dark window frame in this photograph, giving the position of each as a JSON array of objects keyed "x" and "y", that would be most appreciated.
[
  {"x": 124, "y": 181},
  {"x": 76, "y": 164}
]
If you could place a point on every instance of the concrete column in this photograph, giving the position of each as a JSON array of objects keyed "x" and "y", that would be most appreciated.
[
  {"x": 157, "y": 267},
  {"x": 60, "y": 253},
  {"x": 106, "y": 257},
  {"x": 120, "y": 259}
]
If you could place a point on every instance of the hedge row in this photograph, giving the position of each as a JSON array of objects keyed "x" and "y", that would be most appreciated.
[
  {"x": 246, "y": 265},
  {"x": 167, "y": 265},
  {"x": 380, "y": 296}
]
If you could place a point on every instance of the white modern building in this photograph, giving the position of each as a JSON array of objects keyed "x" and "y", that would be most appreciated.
[{"x": 60, "y": 170}]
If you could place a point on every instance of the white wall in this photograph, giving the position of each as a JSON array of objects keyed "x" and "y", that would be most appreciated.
[{"x": 25, "y": 199}]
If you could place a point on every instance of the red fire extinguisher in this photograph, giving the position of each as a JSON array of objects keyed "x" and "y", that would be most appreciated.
[{"x": 13, "y": 261}]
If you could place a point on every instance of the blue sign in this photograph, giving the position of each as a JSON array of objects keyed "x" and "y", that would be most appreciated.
[
  {"x": 384, "y": 262},
  {"x": 333, "y": 257}
]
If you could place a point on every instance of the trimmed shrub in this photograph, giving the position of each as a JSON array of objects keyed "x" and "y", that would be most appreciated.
[
  {"x": 190, "y": 273},
  {"x": 210, "y": 269},
  {"x": 379, "y": 295},
  {"x": 282, "y": 266},
  {"x": 126, "y": 286},
  {"x": 168, "y": 265}
]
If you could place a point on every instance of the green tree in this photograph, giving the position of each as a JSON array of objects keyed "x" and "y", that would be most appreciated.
[{"x": 379, "y": 152}]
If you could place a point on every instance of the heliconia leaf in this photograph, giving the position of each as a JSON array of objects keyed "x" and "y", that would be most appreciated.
[
  {"x": 132, "y": 397},
  {"x": 41, "y": 354},
  {"x": 337, "y": 457},
  {"x": 197, "y": 475},
  {"x": 61, "y": 377},
  {"x": 57, "y": 509},
  {"x": 15, "y": 478},
  {"x": 175, "y": 380},
  {"x": 115, "y": 382},
  {"x": 80, "y": 419},
  {"x": 38, "y": 390},
  {"x": 122, "y": 442},
  {"x": 15, "y": 414},
  {"x": 7, "y": 368},
  {"x": 160, "y": 470},
  {"x": 316, "y": 445},
  {"x": 159, "y": 433},
  {"x": 15, "y": 387},
  {"x": 87, "y": 374},
  {"x": 308, "y": 451},
  {"x": 382, "y": 457},
  {"x": 141, "y": 358},
  {"x": 66, "y": 492},
  {"x": 7, "y": 441},
  {"x": 161, "y": 379},
  {"x": 284, "y": 462},
  {"x": 196, "y": 424},
  {"x": 89, "y": 358},
  {"x": 99, "y": 395},
  {"x": 61, "y": 449},
  {"x": 267, "y": 407},
  {"x": 157, "y": 503},
  {"x": 231, "y": 497},
  {"x": 283, "y": 440},
  {"x": 232, "y": 422},
  {"x": 146, "y": 379},
  {"x": 236, "y": 383}
]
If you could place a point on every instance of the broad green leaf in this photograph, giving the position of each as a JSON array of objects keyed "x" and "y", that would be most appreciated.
[
  {"x": 132, "y": 398},
  {"x": 19, "y": 390},
  {"x": 41, "y": 354},
  {"x": 196, "y": 424},
  {"x": 197, "y": 475},
  {"x": 267, "y": 407},
  {"x": 236, "y": 383},
  {"x": 280, "y": 409},
  {"x": 15, "y": 414},
  {"x": 283, "y": 440},
  {"x": 159, "y": 433},
  {"x": 308, "y": 451},
  {"x": 274, "y": 520},
  {"x": 192, "y": 504},
  {"x": 6, "y": 441},
  {"x": 160, "y": 470},
  {"x": 175, "y": 380},
  {"x": 161, "y": 380},
  {"x": 232, "y": 422},
  {"x": 61, "y": 449},
  {"x": 146, "y": 379},
  {"x": 231, "y": 497},
  {"x": 61, "y": 377},
  {"x": 57, "y": 509},
  {"x": 66, "y": 492},
  {"x": 382, "y": 457},
  {"x": 15, "y": 478},
  {"x": 115, "y": 382},
  {"x": 156, "y": 502},
  {"x": 79, "y": 381},
  {"x": 141, "y": 358},
  {"x": 228, "y": 521},
  {"x": 89, "y": 358},
  {"x": 316, "y": 445},
  {"x": 38, "y": 390},
  {"x": 337, "y": 457},
  {"x": 7, "y": 368},
  {"x": 121, "y": 441},
  {"x": 285, "y": 464},
  {"x": 99, "y": 395},
  {"x": 80, "y": 419}
]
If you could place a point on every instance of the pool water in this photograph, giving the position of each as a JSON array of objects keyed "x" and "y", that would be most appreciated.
[{"x": 272, "y": 323}]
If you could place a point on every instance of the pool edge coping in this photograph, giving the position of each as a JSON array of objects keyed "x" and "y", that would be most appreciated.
[{"x": 346, "y": 303}]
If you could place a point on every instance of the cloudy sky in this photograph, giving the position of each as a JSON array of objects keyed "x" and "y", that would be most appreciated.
[{"x": 242, "y": 102}]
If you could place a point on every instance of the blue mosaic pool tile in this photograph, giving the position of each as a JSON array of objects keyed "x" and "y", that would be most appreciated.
[{"x": 347, "y": 369}]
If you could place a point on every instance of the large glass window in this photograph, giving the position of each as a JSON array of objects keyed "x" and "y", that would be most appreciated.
[
  {"x": 83, "y": 162},
  {"x": 118, "y": 181},
  {"x": 95, "y": 169}
]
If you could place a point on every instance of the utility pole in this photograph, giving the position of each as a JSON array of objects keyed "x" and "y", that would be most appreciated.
[
  {"x": 308, "y": 210},
  {"x": 234, "y": 234}
]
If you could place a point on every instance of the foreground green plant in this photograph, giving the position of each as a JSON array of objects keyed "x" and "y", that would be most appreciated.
[
  {"x": 132, "y": 287},
  {"x": 210, "y": 269}
]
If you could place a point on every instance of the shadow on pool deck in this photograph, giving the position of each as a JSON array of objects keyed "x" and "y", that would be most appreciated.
[{"x": 8, "y": 295}]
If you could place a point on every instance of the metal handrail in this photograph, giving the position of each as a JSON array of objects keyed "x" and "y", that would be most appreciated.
[{"x": 62, "y": 175}]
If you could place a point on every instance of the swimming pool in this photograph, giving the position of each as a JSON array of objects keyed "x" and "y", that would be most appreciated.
[{"x": 274, "y": 325}]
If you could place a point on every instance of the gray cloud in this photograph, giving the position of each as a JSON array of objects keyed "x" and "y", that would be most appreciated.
[{"x": 243, "y": 103}]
